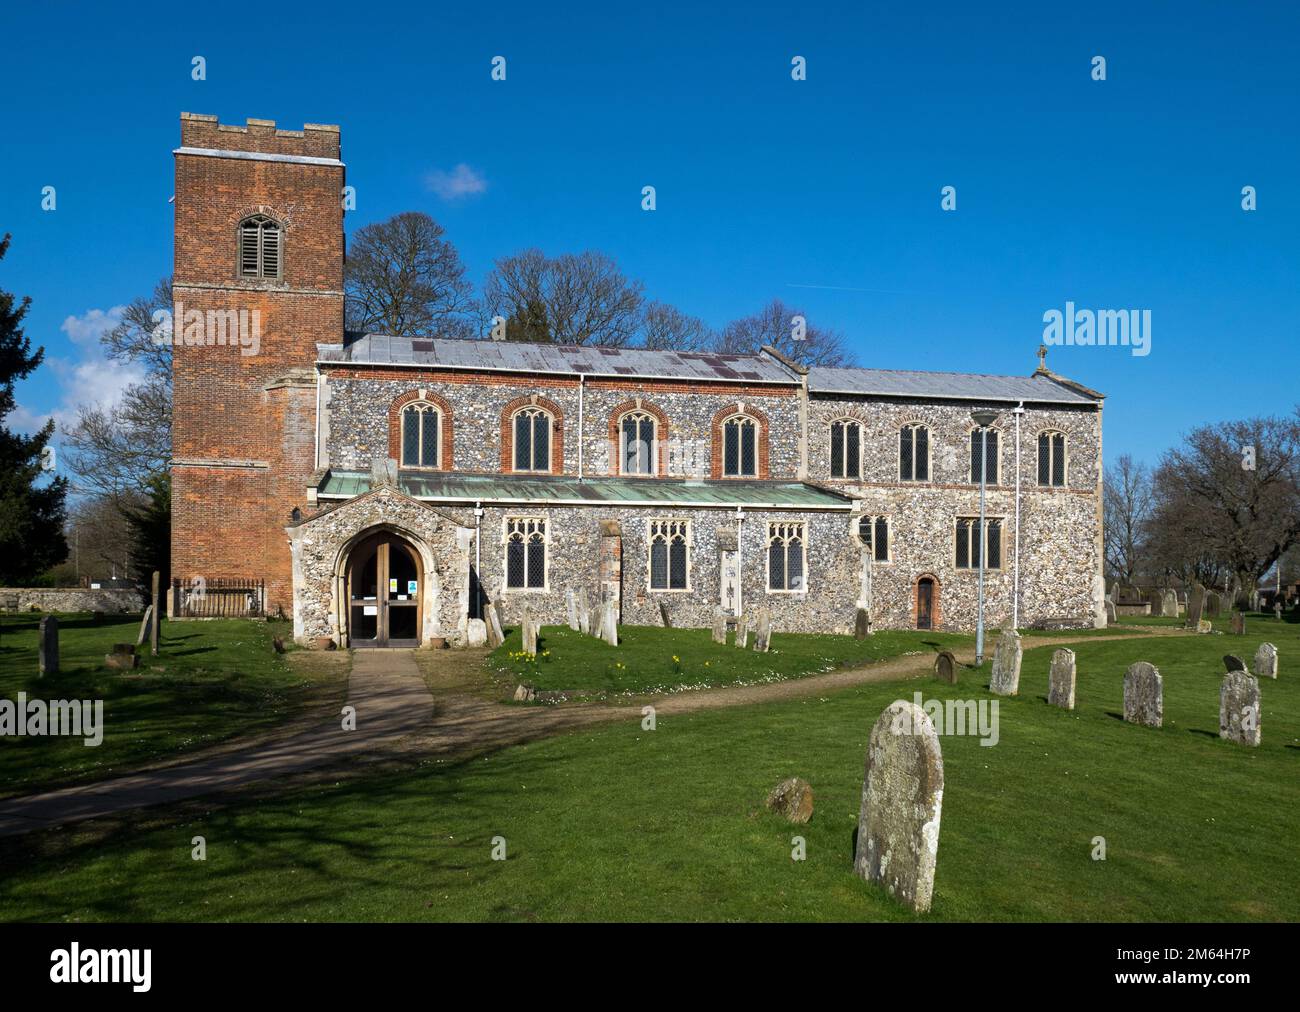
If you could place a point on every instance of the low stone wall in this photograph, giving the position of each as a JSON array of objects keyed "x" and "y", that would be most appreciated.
[
  {"x": 1131, "y": 609},
  {"x": 63, "y": 599}
]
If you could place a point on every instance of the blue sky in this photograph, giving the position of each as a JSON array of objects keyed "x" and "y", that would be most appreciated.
[{"x": 1122, "y": 194}]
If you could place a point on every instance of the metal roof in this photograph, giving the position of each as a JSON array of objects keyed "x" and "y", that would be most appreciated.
[
  {"x": 517, "y": 356},
  {"x": 950, "y": 385},
  {"x": 449, "y": 486}
]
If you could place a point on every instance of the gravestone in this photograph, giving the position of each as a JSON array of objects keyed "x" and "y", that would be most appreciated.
[
  {"x": 495, "y": 633},
  {"x": 1266, "y": 661},
  {"x": 1277, "y": 610},
  {"x": 1144, "y": 695},
  {"x": 584, "y": 614},
  {"x": 1060, "y": 679},
  {"x": 122, "y": 658},
  {"x": 1195, "y": 606},
  {"x": 1213, "y": 604},
  {"x": 1157, "y": 603},
  {"x": 720, "y": 626},
  {"x": 1111, "y": 616},
  {"x": 476, "y": 633},
  {"x": 1005, "y": 677},
  {"x": 571, "y": 601},
  {"x": 793, "y": 799},
  {"x": 861, "y": 624},
  {"x": 663, "y": 615},
  {"x": 144, "y": 626},
  {"x": 528, "y": 633},
  {"x": 1239, "y": 708},
  {"x": 945, "y": 667},
  {"x": 1204, "y": 626},
  {"x": 902, "y": 802},
  {"x": 609, "y": 623},
  {"x": 1233, "y": 663},
  {"x": 47, "y": 659},
  {"x": 1238, "y": 624},
  {"x": 1169, "y": 604},
  {"x": 742, "y": 632},
  {"x": 763, "y": 630}
]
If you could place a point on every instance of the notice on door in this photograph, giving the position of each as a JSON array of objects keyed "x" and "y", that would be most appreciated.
[
  {"x": 392, "y": 586},
  {"x": 370, "y": 609},
  {"x": 410, "y": 587}
]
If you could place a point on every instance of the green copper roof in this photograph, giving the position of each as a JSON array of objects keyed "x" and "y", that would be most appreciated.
[{"x": 630, "y": 491}]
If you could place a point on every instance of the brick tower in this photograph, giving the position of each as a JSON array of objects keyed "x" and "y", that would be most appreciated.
[{"x": 258, "y": 282}]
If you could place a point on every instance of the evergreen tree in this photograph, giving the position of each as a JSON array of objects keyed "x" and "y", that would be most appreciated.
[
  {"x": 31, "y": 503},
  {"x": 150, "y": 532}
]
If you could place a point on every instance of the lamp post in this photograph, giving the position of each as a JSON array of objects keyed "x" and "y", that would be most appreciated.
[{"x": 983, "y": 419}]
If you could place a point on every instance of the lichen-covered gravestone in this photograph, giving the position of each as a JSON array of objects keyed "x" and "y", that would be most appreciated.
[
  {"x": 584, "y": 613},
  {"x": 609, "y": 623},
  {"x": 1005, "y": 677},
  {"x": 1266, "y": 661},
  {"x": 793, "y": 799},
  {"x": 528, "y": 634},
  {"x": 1213, "y": 605},
  {"x": 1144, "y": 695},
  {"x": 47, "y": 661},
  {"x": 945, "y": 667},
  {"x": 720, "y": 626},
  {"x": 1060, "y": 679},
  {"x": 571, "y": 602},
  {"x": 861, "y": 624},
  {"x": 1111, "y": 616},
  {"x": 1239, "y": 708},
  {"x": 476, "y": 633},
  {"x": 1231, "y": 662},
  {"x": 1195, "y": 606},
  {"x": 1169, "y": 604},
  {"x": 763, "y": 630},
  {"x": 492, "y": 617},
  {"x": 1238, "y": 624},
  {"x": 902, "y": 801},
  {"x": 742, "y": 632}
]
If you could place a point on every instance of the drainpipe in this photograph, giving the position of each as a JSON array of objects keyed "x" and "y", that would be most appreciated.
[
  {"x": 582, "y": 381},
  {"x": 318, "y": 397},
  {"x": 478, "y": 554},
  {"x": 740, "y": 557},
  {"x": 1015, "y": 580}
]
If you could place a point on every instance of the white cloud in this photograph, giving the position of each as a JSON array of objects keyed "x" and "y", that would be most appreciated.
[{"x": 460, "y": 182}]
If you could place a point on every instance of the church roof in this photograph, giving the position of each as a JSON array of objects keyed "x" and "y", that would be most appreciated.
[
  {"x": 569, "y": 360},
  {"x": 448, "y": 486},
  {"x": 1040, "y": 388}
]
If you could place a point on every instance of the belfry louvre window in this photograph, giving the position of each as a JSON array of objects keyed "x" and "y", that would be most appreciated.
[
  {"x": 785, "y": 557},
  {"x": 260, "y": 247},
  {"x": 914, "y": 453},
  {"x": 636, "y": 443},
  {"x": 532, "y": 440},
  {"x": 846, "y": 449},
  {"x": 525, "y": 553},
  {"x": 739, "y": 447},
  {"x": 670, "y": 542},
  {"x": 977, "y": 438},
  {"x": 1051, "y": 459},
  {"x": 873, "y": 532},
  {"x": 970, "y": 544},
  {"x": 420, "y": 425}
]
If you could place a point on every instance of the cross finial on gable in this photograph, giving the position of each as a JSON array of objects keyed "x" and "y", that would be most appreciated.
[{"x": 1042, "y": 358}]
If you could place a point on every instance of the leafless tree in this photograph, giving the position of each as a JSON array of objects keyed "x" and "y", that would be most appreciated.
[
  {"x": 667, "y": 328},
  {"x": 402, "y": 277},
  {"x": 573, "y": 298},
  {"x": 786, "y": 329},
  {"x": 1127, "y": 502}
]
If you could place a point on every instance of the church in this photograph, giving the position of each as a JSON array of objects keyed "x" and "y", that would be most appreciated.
[{"x": 381, "y": 490}]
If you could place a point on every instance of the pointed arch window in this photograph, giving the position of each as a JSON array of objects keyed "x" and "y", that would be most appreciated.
[
  {"x": 914, "y": 453},
  {"x": 785, "y": 557},
  {"x": 421, "y": 435},
  {"x": 670, "y": 543},
  {"x": 1051, "y": 459},
  {"x": 636, "y": 440},
  {"x": 739, "y": 447},
  {"x": 977, "y": 438},
  {"x": 525, "y": 553},
  {"x": 261, "y": 247},
  {"x": 532, "y": 440},
  {"x": 846, "y": 449}
]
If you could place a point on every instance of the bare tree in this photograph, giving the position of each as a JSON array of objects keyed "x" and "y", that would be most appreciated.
[
  {"x": 667, "y": 328},
  {"x": 786, "y": 329},
  {"x": 574, "y": 298},
  {"x": 402, "y": 277},
  {"x": 1127, "y": 502},
  {"x": 112, "y": 451}
]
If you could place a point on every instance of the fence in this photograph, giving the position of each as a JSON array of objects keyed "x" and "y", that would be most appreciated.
[{"x": 224, "y": 597}]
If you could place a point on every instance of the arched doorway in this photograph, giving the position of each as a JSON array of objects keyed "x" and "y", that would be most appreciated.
[
  {"x": 385, "y": 583},
  {"x": 926, "y": 602}
]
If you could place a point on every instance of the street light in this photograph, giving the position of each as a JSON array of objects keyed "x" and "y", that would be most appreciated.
[{"x": 983, "y": 419}]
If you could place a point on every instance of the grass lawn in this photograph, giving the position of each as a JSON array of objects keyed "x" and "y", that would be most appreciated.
[
  {"x": 655, "y": 659},
  {"x": 213, "y": 680},
  {"x": 618, "y": 823}
]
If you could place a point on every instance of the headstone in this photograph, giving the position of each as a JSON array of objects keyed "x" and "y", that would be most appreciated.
[
  {"x": 1144, "y": 695},
  {"x": 663, "y": 615},
  {"x": 123, "y": 657},
  {"x": 571, "y": 600},
  {"x": 1254, "y": 600},
  {"x": 1277, "y": 610},
  {"x": 157, "y": 616},
  {"x": 1239, "y": 708},
  {"x": 1266, "y": 661},
  {"x": 609, "y": 623},
  {"x": 496, "y": 635},
  {"x": 1060, "y": 679},
  {"x": 528, "y": 633},
  {"x": 742, "y": 631},
  {"x": 144, "y": 626},
  {"x": 720, "y": 626},
  {"x": 793, "y": 799},
  {"x": 1204, "y": 626},
  {"x": 902, "y": 801},
  {"x": 584, "y": 614},
  {"x": 1233, "y": 663},
  {"x": 1238, "y": 624},
  {"x": 862, "y": 624},
  {"x": 1111, "y": 616},
  {"x": 1212, "y": 605},
  {"x": 763, "y": 630},
  {"x": 1195, "y": 605},
  {"x": 476, "y": 632},
  {"x": 945, "y": 667},
  {"x": 1005, "y": 677},
  {"x": 47, "y": 660},
  {"x": 1169, "y": 604}
]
